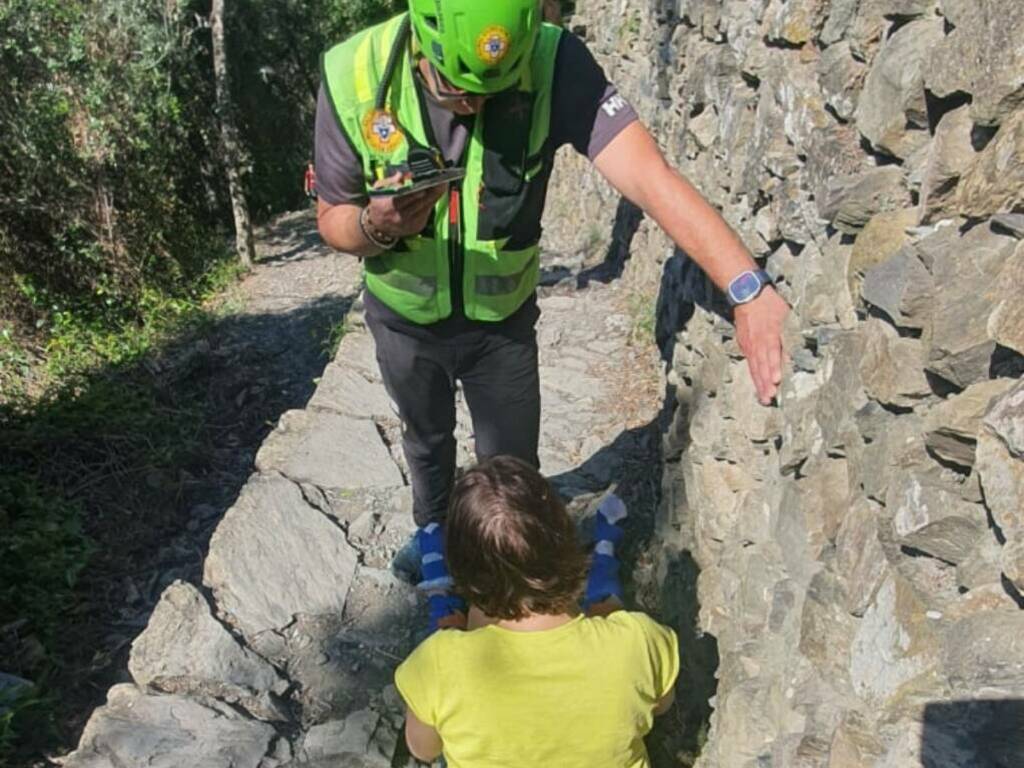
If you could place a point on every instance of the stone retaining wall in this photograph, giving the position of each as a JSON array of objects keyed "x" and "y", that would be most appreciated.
[{"x": 861, "y": 545}]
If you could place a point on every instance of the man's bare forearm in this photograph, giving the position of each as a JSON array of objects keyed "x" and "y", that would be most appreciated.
[
  {"x": 633, "y": 163},
  {"x": 339, "y": 228},
  {"x": 703, "y": 234},
  {"x": 635, "y": 166}
]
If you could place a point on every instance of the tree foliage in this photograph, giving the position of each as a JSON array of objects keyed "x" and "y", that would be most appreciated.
[
  {"x": 115, "y": 226},
  {"x": 111, "y": 180}
]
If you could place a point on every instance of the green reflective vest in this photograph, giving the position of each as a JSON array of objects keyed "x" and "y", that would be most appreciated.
[{"x": 490, "y": 225}]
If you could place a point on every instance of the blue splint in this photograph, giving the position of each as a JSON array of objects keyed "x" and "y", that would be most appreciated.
[
  {"x": 437, "y": 582},
  {"x": 603, "y": 581}
]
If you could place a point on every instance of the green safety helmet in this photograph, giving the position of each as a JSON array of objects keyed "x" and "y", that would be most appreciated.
[{"x": 482, "y": 46}]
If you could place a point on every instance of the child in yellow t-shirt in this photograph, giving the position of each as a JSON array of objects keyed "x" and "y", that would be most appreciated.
[{"x": 534, "y": 683}]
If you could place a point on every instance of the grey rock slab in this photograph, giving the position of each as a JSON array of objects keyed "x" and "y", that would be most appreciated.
[
  {"x": 995, "y": 182},
  {"x": 795, "y": 22},
  {"x": 855, "y": 743},
  {"x": 952, "y": 425},
  {"x": 1000, "y": 462},
  {"x": 329, "y": 450},
  {"x": 889, "y": 443},
  {"x": 1006, "y": 323},
  {"x": 842, "y": 78},
  {"x": 134, "y": 729},
  {"x": 364, "y": 736},
  {"x": 345, "y": 390},
  {"x": 383, "y": 525},
  {"x": 274, "y": 556},
  {"x": 842, "y": 394},
  {"x": 339, "y": 663},
  {"x": 983, "y": 57},
  {"x": 850, "y": 201},
  {"x": 983, "y": 564},
  {"x": 1005, "y": 419},
  {"x": 185, "y": 650},
  {"x": 827, "y": 629},
  {"x": 891, "y": 111},
  {"x": 571, "y": 383},
  {"x": 860, "y": 562},
  {"x": 893, "y": 644},
  {"x": 1010, "y": 223},
  {"x": 985, "y": 652},
  {"x": 833, "y": 164},
  {"x": 959, "y": 346},
  {"x": 955, "y": 11},
  {"x": 882, "y": 237},
  {"x": 892, "y": 367},
  {"x": 901, "y": 287},
  {"x": 949, "y": 157},
  {"x": 798, "y": 94},
  {"x": 929, "y": 518},
  {"x": 358, "y": 352},
  {"x": 1013, "y": 561},
  {"x": 839, "y": 17}
]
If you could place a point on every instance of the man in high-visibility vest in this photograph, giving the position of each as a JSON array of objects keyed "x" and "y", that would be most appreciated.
[{"x": 451, "y": 271}]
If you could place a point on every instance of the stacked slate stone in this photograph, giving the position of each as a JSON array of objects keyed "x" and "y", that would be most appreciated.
[{"x": 861, "y": 544}]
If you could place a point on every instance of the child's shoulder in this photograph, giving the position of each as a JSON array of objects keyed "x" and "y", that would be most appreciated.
[{"x": 631, "y": 621}]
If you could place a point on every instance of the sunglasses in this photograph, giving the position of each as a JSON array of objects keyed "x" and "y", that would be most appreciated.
[{"x": 444, "y": 91}]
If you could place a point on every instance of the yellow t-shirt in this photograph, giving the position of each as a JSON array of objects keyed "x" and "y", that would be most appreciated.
[{"x": 581, "y": 694}]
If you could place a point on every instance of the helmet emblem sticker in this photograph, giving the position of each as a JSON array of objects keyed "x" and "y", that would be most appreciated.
[
  {"x": 381, "y": 131},
  {"x": 493, "y": 44}
]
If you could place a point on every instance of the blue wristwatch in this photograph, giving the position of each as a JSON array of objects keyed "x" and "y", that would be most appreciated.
[{"x": 747, "y": 286}]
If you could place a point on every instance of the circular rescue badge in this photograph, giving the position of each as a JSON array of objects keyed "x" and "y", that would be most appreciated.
[
  {"x": 493, "y": 44},
  {"x": 381, "y": 131}
]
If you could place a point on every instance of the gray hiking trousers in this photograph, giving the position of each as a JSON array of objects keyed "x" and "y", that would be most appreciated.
[{"x": 501, "y": 383}]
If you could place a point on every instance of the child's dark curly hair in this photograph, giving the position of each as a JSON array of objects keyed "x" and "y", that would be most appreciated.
[{"x": 511, "y": 546}]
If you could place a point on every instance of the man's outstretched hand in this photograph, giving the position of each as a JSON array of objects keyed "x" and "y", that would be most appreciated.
[{"x": 759, "y": 333}]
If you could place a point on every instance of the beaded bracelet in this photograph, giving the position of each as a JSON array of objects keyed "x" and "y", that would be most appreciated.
[{"x": 380, "y": 239}]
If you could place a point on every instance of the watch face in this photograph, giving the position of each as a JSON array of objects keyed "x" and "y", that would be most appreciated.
[{"x": 744, "y": 287}]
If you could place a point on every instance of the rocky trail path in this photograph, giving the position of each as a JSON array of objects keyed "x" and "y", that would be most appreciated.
[{"x": 283, "y": 653}]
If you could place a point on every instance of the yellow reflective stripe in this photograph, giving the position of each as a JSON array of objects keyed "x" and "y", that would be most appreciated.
[
  {"x": 409, "y": 283},
  {"x": 364, "y": 82},
  {"x": 386, "y": 40},
  {"x": 500, "y": 285},
  {"x": 361, "y": 76}
]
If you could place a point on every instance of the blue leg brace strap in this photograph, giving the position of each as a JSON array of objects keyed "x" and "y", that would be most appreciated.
[
  {"x": 437, "y": 582},
  {"x": 603, "y": 581}
]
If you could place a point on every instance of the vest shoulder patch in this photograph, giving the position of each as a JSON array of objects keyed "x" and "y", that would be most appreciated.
[{"x": 381, "y": 131}]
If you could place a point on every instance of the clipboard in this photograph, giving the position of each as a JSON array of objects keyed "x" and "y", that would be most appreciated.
[{"x": 414, "y": 185}]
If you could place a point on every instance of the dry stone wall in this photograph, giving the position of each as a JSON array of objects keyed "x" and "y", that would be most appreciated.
[{"x": 860, "y": 545}]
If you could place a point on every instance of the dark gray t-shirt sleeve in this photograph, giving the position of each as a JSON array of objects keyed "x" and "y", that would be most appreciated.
[
  {"x": 586, "y": 110},
  {"x": 339, "y": 173}
]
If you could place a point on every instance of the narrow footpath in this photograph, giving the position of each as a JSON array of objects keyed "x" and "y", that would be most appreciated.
[{"x": 283, "y": 653}]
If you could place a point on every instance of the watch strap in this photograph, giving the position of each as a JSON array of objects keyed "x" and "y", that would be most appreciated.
[{"x": 763, "y": 278}]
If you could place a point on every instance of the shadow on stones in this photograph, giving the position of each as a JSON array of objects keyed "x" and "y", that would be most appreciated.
[
  {"x": 684, "y": 286},
  {"x": 980, "y": 734},
  {"x": 627, "y": 222},
  {"x": 307, "y": 247},
  {"x": 678, "y": 736},
  {"x": 152, "y": 454}
]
